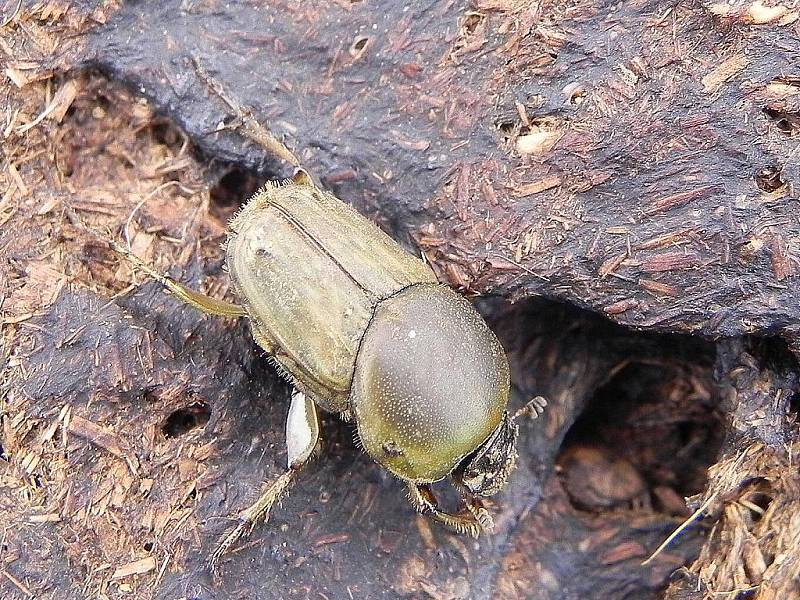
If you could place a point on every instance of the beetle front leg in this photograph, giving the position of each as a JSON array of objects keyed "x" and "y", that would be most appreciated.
[
  {"x": 302, "y": 437},
  {"x": 471, "y": 521}
]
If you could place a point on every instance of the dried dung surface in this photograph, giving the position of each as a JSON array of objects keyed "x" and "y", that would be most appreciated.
[
  {"x": 640, "y": 162},
  {"x": 638, "y": 158}
]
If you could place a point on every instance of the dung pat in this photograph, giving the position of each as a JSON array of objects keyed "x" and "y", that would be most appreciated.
[{"x": 362, "y": 328}]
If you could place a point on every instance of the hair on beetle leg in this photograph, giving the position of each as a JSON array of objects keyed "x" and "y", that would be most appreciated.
[
  {"x": 357, "y": 441},
  {"x": 283, "y": 373},
  {"x": 471, "y": 521}
]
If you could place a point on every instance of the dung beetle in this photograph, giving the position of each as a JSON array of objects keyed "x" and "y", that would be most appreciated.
[{"x": 362, "y": 328}]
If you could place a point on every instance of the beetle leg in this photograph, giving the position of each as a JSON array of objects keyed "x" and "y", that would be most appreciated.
[
  {"x": 302, "y": 437},
  {"x": 202, "y": 302},
  {"x": 480, "y": 513},
  {"x": 533, "y": 408},
  {"x": 302, "y": 430},
  {"x": 468, "y": 522}
]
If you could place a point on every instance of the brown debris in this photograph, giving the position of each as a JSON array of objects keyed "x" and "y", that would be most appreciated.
[
  {"x": 657, "y": 287},
  {"x": 681, "y": 199},
  {"x": 595, "y": 479},
  {"x": 781, "y": 262},
  {"x": 110, "y": 168},
  {"x": 621, "y": 306},
  {"x": 611, "y": 264},
  {"x": 670, "y": 261},
  {"x": 723, "y": 72},
  {"x": 544, "y": 184},
  {"x": 136, "y": 567},
  {"x": 753, "y": 490},
  {"x": 103, "y": 438}
]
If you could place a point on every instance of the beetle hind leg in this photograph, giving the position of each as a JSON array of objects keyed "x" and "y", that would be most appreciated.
[
  {"x": 202, "y": 302},
  {"x": 251, "y": 516},
  {"x": 472, "y": 521},
  {"x": 302, "y": 438}
]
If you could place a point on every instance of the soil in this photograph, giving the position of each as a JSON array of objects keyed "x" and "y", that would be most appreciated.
[{"x": 614, "y": 185}]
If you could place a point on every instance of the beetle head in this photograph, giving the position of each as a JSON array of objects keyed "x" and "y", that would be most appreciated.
[{"x": 484, "y": 473}]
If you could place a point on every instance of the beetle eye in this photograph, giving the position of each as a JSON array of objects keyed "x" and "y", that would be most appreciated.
[{"x": 485, "y": 472}]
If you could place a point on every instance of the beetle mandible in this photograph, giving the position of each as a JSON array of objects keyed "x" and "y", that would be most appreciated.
[{"x": 362, "y": 328}]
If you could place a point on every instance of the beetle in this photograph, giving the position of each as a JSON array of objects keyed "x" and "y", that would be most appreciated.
[{"x": 362, "y": 328}]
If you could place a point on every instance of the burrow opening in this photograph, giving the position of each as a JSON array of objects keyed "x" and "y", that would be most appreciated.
[
  {"x": 234, "y": 186},
  {"x": 184, "y": 420},
  {"x": 787, "y": 121},
  {"x": 770, "y": 178},
  {"x": 645, "y": 439}
]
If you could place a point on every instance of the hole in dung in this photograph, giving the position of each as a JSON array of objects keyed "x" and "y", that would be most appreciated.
[
  {"x": 185, "y": 419},
  {"x": 232, "y": 190},
  {"x": 506, "y": 128},
  {"x": 769, "y": 178},
  {"x": 787, "y": 121},
  {"x": 164, "y": 132},
  {"x": 794, "y": 402},
  {"x": 645, "y": 440},
  {"x": 471, "y": 22},
  {"x": 358, "y": 45}
]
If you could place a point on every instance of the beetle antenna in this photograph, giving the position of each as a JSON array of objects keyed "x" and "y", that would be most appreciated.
[{"x": 533, "y": 409}]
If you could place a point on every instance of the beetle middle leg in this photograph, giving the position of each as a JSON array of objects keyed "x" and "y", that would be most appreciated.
[
  {"x": 302, "y": 438},
  {"x": 471, "y": 521}
]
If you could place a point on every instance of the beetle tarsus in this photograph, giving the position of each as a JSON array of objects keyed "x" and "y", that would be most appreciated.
[
  {"x": 481, "y": 515},
  {"x": 470, "y": 522},
  {"x": 252, "y": 516}
]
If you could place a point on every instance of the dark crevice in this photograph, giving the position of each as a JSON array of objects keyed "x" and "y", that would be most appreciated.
[
  {"x": 769, "y": 179},
  {"x": 787, "y": 121},
  {"x": 794, "y": 402},
  {"x": 233, "y": 188},
  {"x": 165, "y": 132},
  {"x": 645, "y": 440},
  {"x": 186, "y": 419}
]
